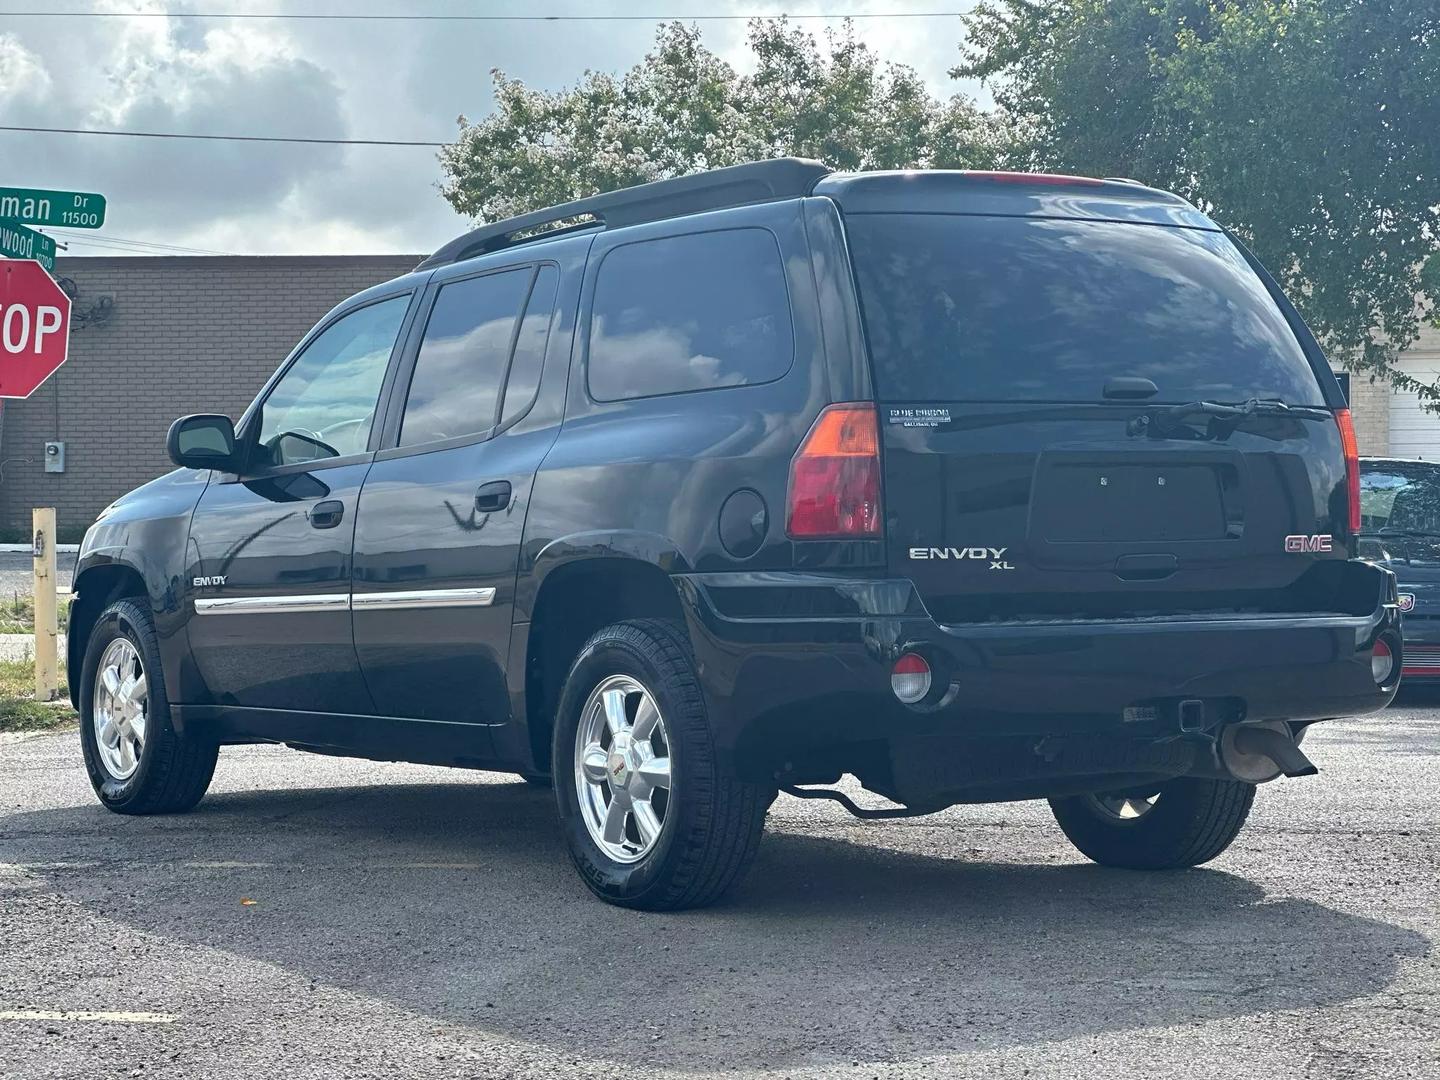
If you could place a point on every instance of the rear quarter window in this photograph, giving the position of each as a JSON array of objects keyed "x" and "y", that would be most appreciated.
[
  {"x": 702, "y": 311},
  {"x": 988, "y": 308}
]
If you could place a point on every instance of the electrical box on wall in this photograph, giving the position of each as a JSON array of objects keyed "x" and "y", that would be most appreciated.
[{"x": 54, "y": 457}]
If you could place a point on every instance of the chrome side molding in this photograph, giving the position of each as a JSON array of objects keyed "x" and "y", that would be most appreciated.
[
  {"x": 270, "y": 605},
  {"x": 422, "y": 598},
  {"x": 366, "y": 601}
]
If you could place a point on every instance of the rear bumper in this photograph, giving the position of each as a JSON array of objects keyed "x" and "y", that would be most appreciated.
[{"x": 822, "y": 673}]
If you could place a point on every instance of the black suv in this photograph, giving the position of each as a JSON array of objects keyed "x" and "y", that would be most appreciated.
[{"x": 975, "y": 486}]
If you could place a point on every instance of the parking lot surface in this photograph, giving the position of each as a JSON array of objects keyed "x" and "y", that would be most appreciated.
[
  {"x": 17, "y": 572},
  {"x": 330, "y": 918}
]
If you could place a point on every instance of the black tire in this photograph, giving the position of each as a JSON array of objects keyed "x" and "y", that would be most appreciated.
[
  {"x": 713, "y": 824},
  {"x": 172, "y": 773},
  {"x": 1191, "y": 822}
]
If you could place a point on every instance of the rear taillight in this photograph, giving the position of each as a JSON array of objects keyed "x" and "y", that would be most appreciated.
[
  {"x": 835, "y": 477},
  {"x": 1352, "y": 465}
]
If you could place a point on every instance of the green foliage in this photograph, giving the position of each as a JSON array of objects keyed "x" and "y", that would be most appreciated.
[
  {"x": 683, "y": 109},
  {"x": 18, "y": 709},
  {"x": 1307, "y": 126}
]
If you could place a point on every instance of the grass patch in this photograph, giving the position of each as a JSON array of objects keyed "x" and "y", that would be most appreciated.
[
  {"x": 17, "y": 614},
  {"x": 19, "y": 711}
]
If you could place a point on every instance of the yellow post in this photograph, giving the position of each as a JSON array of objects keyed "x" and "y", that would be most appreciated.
[{"x": 47, "y": 630}]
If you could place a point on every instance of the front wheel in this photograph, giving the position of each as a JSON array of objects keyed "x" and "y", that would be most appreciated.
[
  {"x": 1182, "y": 822},
  {"x": 650, "y": 819},
  {"x": 138, "y": 763}
]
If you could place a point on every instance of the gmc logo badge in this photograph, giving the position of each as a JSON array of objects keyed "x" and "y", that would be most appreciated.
[{"x": 1299, "y": 542}]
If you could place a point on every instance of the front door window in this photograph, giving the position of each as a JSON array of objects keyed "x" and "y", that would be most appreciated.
[{"x": 324, "y": 404}]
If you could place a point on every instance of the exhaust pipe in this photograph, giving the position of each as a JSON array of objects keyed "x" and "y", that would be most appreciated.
[{"x": 1259, "y": 752}]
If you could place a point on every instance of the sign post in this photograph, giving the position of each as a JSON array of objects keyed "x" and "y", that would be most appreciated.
[
  {"x": 65, "y": 209},
  {"x": 47, "y": 629},
  {"x": 34, "y": 327}
]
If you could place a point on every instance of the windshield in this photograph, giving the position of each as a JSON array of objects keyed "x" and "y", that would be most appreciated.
[
  {"x": 979, "y": 308},
  {"x": 1400, "y": 499}
]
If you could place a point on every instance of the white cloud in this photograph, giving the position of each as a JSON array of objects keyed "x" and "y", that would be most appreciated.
[{"x": 22, "y": 73}]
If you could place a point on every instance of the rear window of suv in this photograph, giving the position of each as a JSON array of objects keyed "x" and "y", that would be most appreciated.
[{"x": 980, "y": 308}]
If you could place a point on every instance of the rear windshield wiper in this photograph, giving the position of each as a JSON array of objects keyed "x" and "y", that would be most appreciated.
[
  {"x": 1253, "y": 407},
  {"x": 1166, "y": 419}
]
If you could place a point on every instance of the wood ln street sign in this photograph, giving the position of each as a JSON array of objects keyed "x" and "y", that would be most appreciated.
[{"x": 18, "y": 242}]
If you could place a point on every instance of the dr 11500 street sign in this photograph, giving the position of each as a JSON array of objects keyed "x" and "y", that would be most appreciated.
[{"x": 65, "y": 209}]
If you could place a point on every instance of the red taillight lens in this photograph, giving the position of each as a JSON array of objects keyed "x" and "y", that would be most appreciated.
[
  {"x": 1352, "y": 465},
  {"x": 835, "y": 477}
]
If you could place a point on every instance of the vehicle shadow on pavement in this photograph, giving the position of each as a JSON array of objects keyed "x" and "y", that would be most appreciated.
[{"x": 456, "y": 902}]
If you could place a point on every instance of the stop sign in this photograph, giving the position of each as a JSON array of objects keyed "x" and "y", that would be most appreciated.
[{"x": 34, "y": 327}]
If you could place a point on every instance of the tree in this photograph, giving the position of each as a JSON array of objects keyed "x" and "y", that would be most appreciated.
[
  {"x": 684, "y": 109},
  {"x": 1307, "y": 126}
]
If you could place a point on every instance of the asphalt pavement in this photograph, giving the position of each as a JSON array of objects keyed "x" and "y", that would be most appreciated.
[
  {"x": 17, "y": 573},
  {"x": 318, "y": 917}
]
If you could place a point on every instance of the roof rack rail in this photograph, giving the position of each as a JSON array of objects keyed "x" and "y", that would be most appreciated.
[{"x": 735, "y": 185}]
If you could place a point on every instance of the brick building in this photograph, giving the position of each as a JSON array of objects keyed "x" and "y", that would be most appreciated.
[
  {"x": 153, "y": 339},
  {"x": 156, "y": 338}
]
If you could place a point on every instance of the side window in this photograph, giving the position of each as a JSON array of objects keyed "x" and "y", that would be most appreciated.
[
  {"x": 455, "y": 389},
  {"x": 529, "y": 360},
  {"x": 695, "y": 312},
  {"x": 324, "y": 404}
]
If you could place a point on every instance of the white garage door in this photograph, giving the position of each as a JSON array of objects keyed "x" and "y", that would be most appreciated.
[{"x": 1415, "y": 433}]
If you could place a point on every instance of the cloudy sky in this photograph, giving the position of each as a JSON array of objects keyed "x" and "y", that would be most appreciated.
[{"x": 366, "y": 80}]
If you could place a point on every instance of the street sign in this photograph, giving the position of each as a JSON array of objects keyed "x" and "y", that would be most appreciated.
[
  {"x": 19, "y": 242},
  {"x": 34, "y": 327},
  {"x": 67, "y": 209}
]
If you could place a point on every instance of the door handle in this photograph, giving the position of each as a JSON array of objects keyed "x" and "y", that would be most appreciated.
[
  {"x": 493, "y": 496},
  {"x": 327, "y": 514}
]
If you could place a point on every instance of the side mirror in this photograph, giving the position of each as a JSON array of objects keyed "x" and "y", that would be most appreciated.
[{"x": 204, "y": 441}]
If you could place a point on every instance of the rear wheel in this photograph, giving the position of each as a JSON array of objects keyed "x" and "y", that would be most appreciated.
[
  {"x": 138, "y": 763},
  {"x": 1182, "y": 822},
  {"x": 650, "y": 819}
]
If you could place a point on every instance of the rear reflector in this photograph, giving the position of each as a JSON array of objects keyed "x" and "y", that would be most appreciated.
[
  {"x": 1352, "y": 465},
  {"x": 910, "y": 678},
  {"x": 1382, "y": 662},
  {"x": 835, "y": 477}
]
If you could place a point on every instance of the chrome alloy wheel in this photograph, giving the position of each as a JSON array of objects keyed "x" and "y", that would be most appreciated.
[
  {"x": 120, "y": 708},
  {"x": 622, "y": 768},
  {"x": 1123, "y": 806}
]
